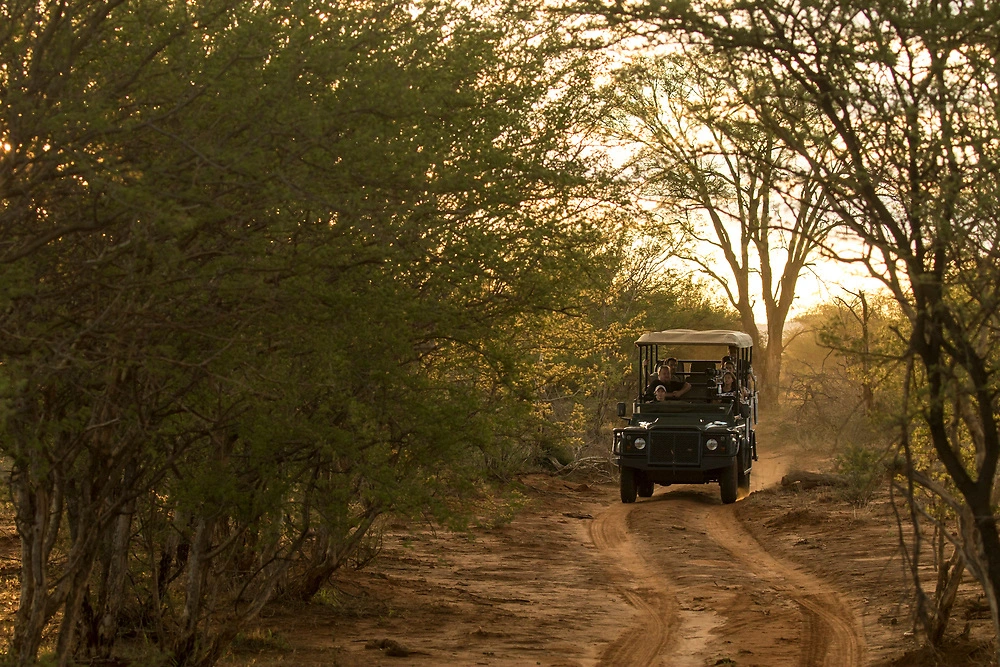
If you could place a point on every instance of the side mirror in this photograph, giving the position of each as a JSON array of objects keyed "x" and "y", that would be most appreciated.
[
  {"x": 745, "y": 410},
  {"x": 621, "y": 409}
]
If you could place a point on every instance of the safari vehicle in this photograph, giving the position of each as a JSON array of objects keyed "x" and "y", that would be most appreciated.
[{"x": 704, "y": 436}]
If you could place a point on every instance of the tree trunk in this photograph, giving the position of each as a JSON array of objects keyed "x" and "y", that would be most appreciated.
[
  {"x": 769, "y": 376},
  {"x": 330, "y": 553},
  {"x": 33, "y": 515},
  {"x": 114, "y": 584},
  {"x": 949, "y": 579}
]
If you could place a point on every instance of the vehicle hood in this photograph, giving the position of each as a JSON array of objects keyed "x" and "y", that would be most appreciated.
[{"x": 687, "y": 422}]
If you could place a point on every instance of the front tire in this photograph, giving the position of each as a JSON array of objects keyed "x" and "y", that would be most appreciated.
[
  {"x": 626, "y": 484},
  {"x": 743, "y": 477},
  {"x": 744, "y": 484},
  {"x": 729, "y": 483},
  {"x": 645, "y": 488}
]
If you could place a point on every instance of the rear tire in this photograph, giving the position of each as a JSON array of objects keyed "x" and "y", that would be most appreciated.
[
  {"x": 626, "y": 484},
  {"x": 729, "y": 483},
  {"x": 645, "y": 488}
]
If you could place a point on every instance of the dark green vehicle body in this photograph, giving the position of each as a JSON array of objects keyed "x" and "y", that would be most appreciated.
[{"x": 700, "y": 438}]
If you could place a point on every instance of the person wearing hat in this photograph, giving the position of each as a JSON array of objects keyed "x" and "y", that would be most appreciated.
[{"x": 674, "y": 386}]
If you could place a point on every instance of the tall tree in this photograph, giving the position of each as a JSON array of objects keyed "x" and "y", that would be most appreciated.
[
  {"x": 752, "y": 223},
  {"x": 895, "y": 107},
  {"x": 264, "y": 276}
]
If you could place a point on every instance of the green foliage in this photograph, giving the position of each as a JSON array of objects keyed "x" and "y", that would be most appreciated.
[
  {"x": 864, "y": 468},
  {"x": 269, "y": 272}
]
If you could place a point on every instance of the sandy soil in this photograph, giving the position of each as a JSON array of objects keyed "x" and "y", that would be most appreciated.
[
  {"x": 783, "y": 577},
  {"x": 577, "y": 579}
]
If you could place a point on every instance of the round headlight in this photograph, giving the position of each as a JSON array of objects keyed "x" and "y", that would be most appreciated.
[
  {"x": 640, "y": 443},
  {"x": 711, "y": 444}
]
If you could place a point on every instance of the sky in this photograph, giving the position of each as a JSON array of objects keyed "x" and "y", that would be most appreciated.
[
  {"x": 821, "y": 282},
  {"x": 826, "y": 280}
]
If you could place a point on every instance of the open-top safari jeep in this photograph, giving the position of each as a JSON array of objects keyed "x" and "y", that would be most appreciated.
[{"x": 702, "y": 437}]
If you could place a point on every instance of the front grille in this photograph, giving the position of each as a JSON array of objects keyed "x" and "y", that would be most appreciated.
[{"x": 674, "y": 447}]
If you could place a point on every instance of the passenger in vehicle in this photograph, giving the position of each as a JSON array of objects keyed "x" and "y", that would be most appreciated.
[
  {"x": 675, "y": 386},
  {"x": 730, "y": 387},
  {"x": 729, "y": 363},
  {"x": 653, "y": 377},
  {"x": 660, "y": 393},
  {"x": 669, "y": 361}
]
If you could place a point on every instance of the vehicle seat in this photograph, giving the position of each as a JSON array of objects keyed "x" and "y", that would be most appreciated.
[
  {"x": 702, "y": 366},
  {"x": 699, "y": 377}
]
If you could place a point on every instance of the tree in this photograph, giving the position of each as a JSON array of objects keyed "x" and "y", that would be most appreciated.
[
  {"x": 894, "y": 106},
  {"x": 845, "y": 370},
  {"x": 265, "y": 271},
  {"x": 729, "y": 183}
]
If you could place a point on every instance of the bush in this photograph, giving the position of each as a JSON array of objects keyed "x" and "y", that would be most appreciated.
[{"x": 864, "y": 468}]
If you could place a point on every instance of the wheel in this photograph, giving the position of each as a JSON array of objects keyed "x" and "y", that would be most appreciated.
[
  {"x": 743, "y": 482},
  {"x": 729, "y": 483},
  {"x": 626, "y": 484},
  {"x": 645, "y": 487},
  {"x": 743, "y": 478}
]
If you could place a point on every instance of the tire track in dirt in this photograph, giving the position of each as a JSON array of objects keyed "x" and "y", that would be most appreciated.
[
  {"x": 647, "y": 637},
  {"x": 832, "y": 637},
  {"x": 829, "y": 634}
]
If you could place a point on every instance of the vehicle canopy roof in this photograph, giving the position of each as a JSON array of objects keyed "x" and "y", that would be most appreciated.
[{"x": 695, "y": 337}]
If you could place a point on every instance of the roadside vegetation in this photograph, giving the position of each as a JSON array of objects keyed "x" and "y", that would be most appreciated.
[{"x": 269, "y": 273}]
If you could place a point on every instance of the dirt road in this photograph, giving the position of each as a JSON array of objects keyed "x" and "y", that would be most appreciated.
[
  {"x": 580, "y": 579},
  {"x": 697, "y": 578}
]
